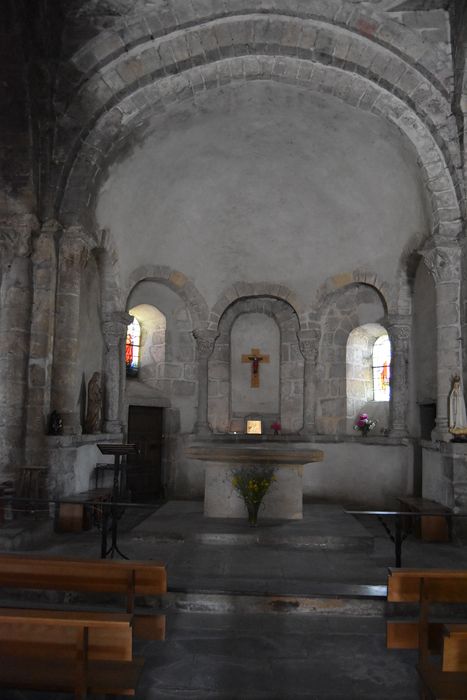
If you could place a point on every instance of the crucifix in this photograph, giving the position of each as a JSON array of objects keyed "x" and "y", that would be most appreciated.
[{"x": 255, "y": 357}]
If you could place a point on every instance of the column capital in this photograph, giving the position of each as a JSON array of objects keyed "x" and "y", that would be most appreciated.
[
  {"x": 16, "y": 233},
  {"x": 442, "y": 257},
  {"x": 205, "y": 341},
  {"x": 399, "y": 328},
  {"x": 74, "y": 246},
  {"x": 116, "y": 323},
  {"x": 308, "y": 342}
]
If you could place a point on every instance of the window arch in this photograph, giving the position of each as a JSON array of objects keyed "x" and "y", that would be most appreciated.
[
  {"x": 368, "y": 371},
  {"x": 133, "y": 348}
]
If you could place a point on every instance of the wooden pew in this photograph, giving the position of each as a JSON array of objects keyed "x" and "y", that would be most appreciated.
[
  {"x": 404, "y": 587},
  {"x": 445, "y": 680},
  {"x": 61, "y": 651},
  {"x": 129, "y": 578}
]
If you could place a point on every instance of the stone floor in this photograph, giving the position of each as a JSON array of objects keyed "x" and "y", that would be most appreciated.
[{"x": 286, "y": 610}]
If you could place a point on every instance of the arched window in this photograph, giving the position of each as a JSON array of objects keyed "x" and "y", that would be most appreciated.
[
  {"x": 133, "y": 348},
  {"x": 381, "y": 366}
]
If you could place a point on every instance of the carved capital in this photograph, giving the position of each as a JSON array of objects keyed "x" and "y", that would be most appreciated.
[
  {"x": 309, "y": 344},
  {"x": 443, "y": 259},
  {"x": 74, "y": 248},
  {"x": 205, "y": 341},
  {"x": 16, "y": 234},
  {"x": 399, "y": 330},
  {"x": 115, "y": 327}
]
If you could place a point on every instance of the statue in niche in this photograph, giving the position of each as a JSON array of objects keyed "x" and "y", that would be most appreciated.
[
  {"x": 457, "y": 412},
  {"x": 93, "y": 423},
  {"x": 55, "y": 424}
]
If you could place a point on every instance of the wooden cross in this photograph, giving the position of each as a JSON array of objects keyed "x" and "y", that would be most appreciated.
[{"x": 255, "y": 357}]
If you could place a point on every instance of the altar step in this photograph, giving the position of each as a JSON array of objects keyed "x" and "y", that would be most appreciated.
[
  {"x": 324, "y": 599},
  {"x": 323, "y": 528}
]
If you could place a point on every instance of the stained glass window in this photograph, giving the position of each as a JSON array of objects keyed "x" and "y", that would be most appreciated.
[
  {"x": 133, "y": 348},
  {"x": 381, "y": 368}
]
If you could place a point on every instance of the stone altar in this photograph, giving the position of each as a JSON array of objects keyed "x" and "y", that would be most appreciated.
[{"x": 285, "y": 497}]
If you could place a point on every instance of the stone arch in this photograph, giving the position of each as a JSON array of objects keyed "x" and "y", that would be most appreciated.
[
  {"x": 177, "y": 282},
  {"x": 400, "y": 88},
  {"x": 113, "y": 127},
  {"x": 332, "y": 285},
  {"x": 291, "y": 361},
  {"x": 161, "y": 21},
  {"x": 241, "y": 290},
  {"x": 339, "y": 315}
]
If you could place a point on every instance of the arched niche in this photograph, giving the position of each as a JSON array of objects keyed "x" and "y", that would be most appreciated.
[
  {"x": 270, "y": 320},
  {"x": 168, "y": 361},
  {"x": 348, "y": 308},
  {"x": 360, "y": 379}
]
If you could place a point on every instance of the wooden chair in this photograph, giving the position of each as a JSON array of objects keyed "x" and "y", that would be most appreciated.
[
  {"x": 61, "y": 651},
  {"x": 129, "y": 578}
]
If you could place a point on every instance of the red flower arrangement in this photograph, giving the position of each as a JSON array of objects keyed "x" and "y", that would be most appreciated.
[{"x": 277, "y": 427}]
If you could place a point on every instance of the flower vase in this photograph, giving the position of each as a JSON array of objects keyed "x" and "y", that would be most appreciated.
[{"x": 253, "y": 509}]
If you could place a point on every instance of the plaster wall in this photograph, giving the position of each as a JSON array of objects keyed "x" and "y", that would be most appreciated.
[
  {"x": 360, "y": 472},
  {"x": 267, "y": 182},
  {"x": 72, "y": 462},
  {"x": 261, "y": 332}
]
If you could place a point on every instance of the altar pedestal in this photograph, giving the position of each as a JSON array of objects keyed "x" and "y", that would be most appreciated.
[{"x": 284, "y": 499}]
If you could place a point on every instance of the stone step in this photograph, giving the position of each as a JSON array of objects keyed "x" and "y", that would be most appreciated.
[{"x": 368, "y": 603}]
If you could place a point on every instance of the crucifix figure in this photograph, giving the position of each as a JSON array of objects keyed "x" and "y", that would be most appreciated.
[{"x": 255, "y": 357}]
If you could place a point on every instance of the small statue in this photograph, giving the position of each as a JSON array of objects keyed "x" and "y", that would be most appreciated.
[
  {"x": 55, "y": 424},
  {"x": 457, "y": 412},
  {"x": 93, "y": 422}
]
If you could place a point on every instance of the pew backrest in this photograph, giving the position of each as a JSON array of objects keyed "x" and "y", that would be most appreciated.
[
  {"x": 53, "y": 634},
  {"x": 83, "y": 575},
  {"x": 440, "y": 585}
]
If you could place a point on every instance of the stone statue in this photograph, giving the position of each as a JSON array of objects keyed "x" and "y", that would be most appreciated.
[
  {"x": 55, "y": 424},
  {"x": 93, "y": 422},
  {"x": 457, "y": 412}
]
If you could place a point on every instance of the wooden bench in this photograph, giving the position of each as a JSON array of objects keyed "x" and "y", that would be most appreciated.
[
  {"x": 430, "y": 528},
  {"x": 445, "y": 678},
  {"x": 404, "y": 586},
  {"x": 62, "y": 651},
  {"x": 126, "y": 577},
  {"x": 76, "y": 513}
]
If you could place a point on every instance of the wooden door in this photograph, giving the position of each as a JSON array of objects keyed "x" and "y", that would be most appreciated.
[{"x": 144, "y": 472}]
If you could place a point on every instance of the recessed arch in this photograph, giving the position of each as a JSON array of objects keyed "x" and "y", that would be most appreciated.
[
  {"x": 120, "y": 121},
  {"x": 177, "y": 282}
]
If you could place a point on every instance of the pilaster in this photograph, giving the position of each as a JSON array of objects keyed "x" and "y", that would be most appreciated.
[{"x": 442, "y": 257}]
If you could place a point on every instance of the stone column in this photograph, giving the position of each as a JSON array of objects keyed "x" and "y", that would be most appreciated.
[
  {"x": 114, "y": 329},
  {"x": 309, "y": 347},
  {"x": 442, "y": 258},
  {"x": 205, "y": 345},
  {"x": 15, "y": 320},
  {"x": 73, "y": 255},
  {"x": 399, "y": 329},
  {"x": 44, "y": 275}
]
